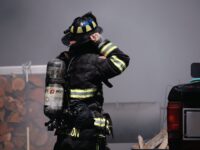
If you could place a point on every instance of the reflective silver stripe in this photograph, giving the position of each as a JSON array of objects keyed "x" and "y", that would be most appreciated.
[
  {"x": 108, "y": 127},
  {"x": 107, "y": 49},
  {"x": 118, "y": 63},
  {"x": 82, "y": 93}
]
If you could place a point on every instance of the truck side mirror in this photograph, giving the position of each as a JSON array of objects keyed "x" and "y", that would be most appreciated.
[{"x": 195, "y": 70}]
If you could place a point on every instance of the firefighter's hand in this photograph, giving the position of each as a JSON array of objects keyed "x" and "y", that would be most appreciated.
[{"x": 95, "y": 37}]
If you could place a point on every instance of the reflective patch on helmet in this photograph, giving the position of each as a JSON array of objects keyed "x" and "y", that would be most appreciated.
[
  {"x": 72, "y": 29},
  {"x": 79, "y": 30},
  {"x": 88, "y": 28},
  {"x": 94, "y": 24}
]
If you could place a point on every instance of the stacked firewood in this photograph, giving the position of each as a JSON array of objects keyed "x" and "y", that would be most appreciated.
[
  {"x": 21, "y": 114},
  {"x": 160, "y": 141}
]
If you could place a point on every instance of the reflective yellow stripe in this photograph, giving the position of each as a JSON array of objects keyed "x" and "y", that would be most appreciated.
[
  {"x": 82, "y": 93},
  {"x": 110, "y": 50},
  {"x": 81, "y": 96},
  {"x": 107, "y": 49},
  {"x": 94, "y": 24},
  {"x": 88, "y": 28},
  {"x": 100, "y": 122},
  {"x": 74, "y": 132},
  {"x": 72, "y": 29},
  {"x": 79, "y": 30},
  {"x": 83, "y": 90},
  {"x": 118, "y": 63},
  {"x": 103, "y": 123}
]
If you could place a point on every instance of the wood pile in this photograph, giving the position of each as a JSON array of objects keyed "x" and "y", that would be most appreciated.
[
  {"x": 160, "y": 141},
  {"x": 21, "y": 108}
]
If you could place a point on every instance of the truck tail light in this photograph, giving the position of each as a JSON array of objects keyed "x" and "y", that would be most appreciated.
[{"x": 174, "y": 119}]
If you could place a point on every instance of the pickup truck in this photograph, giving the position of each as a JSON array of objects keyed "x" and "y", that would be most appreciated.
[{"x": 183, "y": 113}]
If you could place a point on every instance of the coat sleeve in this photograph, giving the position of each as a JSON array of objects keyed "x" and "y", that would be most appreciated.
[{"x": 114, "y": 61}]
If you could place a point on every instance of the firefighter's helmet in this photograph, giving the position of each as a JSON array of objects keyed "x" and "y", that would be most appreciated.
[{"x": 81, "y": 29}]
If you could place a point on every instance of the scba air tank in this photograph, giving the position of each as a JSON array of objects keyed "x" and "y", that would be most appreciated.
[{"x": 55, "y": 88}]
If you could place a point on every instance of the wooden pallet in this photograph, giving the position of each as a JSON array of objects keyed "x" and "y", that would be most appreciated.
[{"x": 160, "y": 141}]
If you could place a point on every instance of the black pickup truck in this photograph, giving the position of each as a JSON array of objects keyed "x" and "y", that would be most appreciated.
[{"x": 183, "y": 113}]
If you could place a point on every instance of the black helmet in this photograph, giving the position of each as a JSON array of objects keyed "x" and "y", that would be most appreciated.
[{"x": 81, "y": 29}]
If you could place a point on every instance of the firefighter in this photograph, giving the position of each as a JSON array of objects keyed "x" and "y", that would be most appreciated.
[{"x": 91, "y": 61}]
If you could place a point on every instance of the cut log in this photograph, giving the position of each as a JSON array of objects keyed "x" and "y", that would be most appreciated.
[
  {"x": 154, "y": 142},
  {"x": 18, "y": 84},
  {"x": 2, "y": 102},
  {"x": 20, "y": 107},
  {"x": 3, "y": 82},
  {"x": 2, "y": 91},
  {"x": 19, "y": 141},
  {"x": 2, "y": 115},
  {"x": 4, "y": 128},
  {"x": 37, "y": 94},
  {"x": 6, "y": 137},
  {"x": 14, "y": 117},
  {"x": 10, "y": 103},
  {"x": 36, "y": 80},
  {"x": 8, "y": 146}
]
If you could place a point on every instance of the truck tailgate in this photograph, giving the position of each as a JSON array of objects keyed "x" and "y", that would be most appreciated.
[{"x": 191, "y": 124}]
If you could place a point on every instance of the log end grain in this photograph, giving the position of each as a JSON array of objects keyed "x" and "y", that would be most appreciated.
[{"x": 18, "y": 84}]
